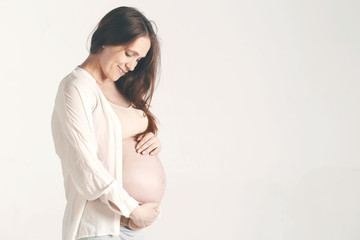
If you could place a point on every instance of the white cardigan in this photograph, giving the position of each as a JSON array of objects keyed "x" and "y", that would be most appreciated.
[{"x": 88, "y": 140}]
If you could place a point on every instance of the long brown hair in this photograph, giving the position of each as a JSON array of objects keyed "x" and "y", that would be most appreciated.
[{"x": 122, "y": 26}]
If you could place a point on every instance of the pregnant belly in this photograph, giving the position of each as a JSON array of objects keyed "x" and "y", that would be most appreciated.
[{"x": 143, "y": 175}]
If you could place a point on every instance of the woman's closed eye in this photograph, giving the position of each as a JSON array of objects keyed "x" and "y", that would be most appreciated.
[{"x": 128, "y": 55}]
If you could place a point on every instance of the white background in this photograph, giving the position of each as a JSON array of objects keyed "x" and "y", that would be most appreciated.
[{"x": 259, "y": 111}]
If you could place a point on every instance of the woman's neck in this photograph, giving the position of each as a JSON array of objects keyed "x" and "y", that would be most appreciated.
[{"x": 92, "y": 66}]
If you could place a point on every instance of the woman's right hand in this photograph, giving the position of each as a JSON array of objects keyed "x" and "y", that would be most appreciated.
[{"x": 145, "y": 214}]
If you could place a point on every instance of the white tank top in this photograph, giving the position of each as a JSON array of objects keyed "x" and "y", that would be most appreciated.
[{"x": 133, "y": 121}]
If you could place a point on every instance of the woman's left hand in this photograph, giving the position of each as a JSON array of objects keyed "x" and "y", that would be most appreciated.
[
  {"x": 149, "y": 143},
  {"x": 133, "y": 226}
]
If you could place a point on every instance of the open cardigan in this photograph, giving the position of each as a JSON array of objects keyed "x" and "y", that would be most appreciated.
[{"x": 88, "y": 141}]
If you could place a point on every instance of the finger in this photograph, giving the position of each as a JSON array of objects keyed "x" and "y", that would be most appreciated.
[
  {"x": 153, "y": 204},
  {"x": 146, "y": 134},
  {"x": 143, "y": 140},
  {"x": 133, "y": 226},
  {"x": 155, "y": 215},
  {"x": 155, "y": 151},
  {"x": 146, "y": 145},
  {"x": 158, "y": 149},
  {"x": 139, "y": 137},
  {"x": 150, "y": 148}
]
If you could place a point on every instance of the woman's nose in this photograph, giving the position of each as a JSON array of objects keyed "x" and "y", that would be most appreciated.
[{"x": 131, "y": 65}]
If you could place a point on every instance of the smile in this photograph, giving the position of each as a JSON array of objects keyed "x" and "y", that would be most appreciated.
[{"x": 121, "y": 71}]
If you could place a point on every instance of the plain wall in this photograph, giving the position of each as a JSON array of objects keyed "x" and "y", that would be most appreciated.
[{"x": 259, "y": 111}]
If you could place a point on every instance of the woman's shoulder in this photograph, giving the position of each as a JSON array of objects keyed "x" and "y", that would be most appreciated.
[
  {"x": 78, "y": 82},
  {"x": 79, "y": 79}
]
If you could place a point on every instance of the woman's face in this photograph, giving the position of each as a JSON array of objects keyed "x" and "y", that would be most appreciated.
[{"x": 115, "y": 61}]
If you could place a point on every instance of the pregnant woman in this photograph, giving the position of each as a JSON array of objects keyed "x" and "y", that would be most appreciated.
[{"x": 105, "y": 135}]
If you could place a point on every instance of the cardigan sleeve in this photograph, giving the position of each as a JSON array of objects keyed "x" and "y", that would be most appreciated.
[{"x": 73, "y": 108}]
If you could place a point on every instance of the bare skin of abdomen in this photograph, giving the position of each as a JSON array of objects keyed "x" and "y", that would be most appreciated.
[{"x": 143, "y": 175}]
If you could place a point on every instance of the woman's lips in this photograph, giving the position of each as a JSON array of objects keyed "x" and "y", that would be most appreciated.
[{"x": 121, "y": 71}]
